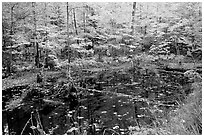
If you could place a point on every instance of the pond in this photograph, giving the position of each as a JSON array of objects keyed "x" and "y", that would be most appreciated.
[{"x": 130, "y": 101}]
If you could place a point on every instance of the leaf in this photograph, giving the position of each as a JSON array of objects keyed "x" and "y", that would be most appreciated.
[
  {"x": 72, "y": 129},
  {"x": 116, "y": 127},
  {"x": 80, "y": 117},
  {"x": 33, "y": 127},
  {"x": 42, "y": 132},
  {"x": 103, "y": 112}
]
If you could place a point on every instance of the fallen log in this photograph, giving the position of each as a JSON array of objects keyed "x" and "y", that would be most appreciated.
[{"x": 172, "y": 72}]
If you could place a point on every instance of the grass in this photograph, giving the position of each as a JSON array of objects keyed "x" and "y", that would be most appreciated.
[{"x": 188, "y": 118}]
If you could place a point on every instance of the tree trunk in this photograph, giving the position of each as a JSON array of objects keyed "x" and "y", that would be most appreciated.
[
  {"x": 12, "y": 22},
  {"x": 145, "y": 30},
  {"x": 177, "y": 48},
  {"x": 200, "y": 11},
  {"x": 75, "y": 24},
  {"x": 140, "y": 11},
  {"x": 68, "y": 67},
  {"x": 11, "y": 43},
  {"x": 133, "y": 18},
  {"x": 35, "y": 34},
  {"x": 44, "y": 51},
  {"x": 84, "y": 19},
  {"x": 68, "y": 31}
]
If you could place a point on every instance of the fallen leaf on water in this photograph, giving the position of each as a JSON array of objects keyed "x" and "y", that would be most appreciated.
[
  {"x": 141, "y": 115},
  {"x": 80, "y": 117},
  {"x": 72, "y": 129},
  {"x": 103, "y": 112},
  {"x": 115, "y": 127},
  {"x": 33, "y": 127},
  {"x": 143, "y": 108},
  {"x": 122, "y": 129},
  {"x": 115, "y": 113}
]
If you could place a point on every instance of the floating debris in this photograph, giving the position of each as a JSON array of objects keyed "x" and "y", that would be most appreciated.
[
  {"x": 131, "y": 128},
  {"x": 122, "y": 129},
  {"x": 103, "y": 112},
  {"x": 141, "y": 115},
  {"x": 80, "y": 117},
  {"x": 70, "y": 112},
  {"x": 143, "y": 108},
  {"x": 119, "y": 115},
  {"x": 33, "y": 127},
  {"x": 116, "y": 127},
  {"x": 115, "y": 113},
  {"x": 72, "y": 129},
  {"x": 83, "y": 107}
]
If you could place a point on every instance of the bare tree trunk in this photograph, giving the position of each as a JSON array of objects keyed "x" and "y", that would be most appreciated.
[
  {"x": 11, "y": 29},
  {"x": 147, "y": 9},
  {"x": 145, "y": 29},
  {"x": 140, "y": 11},
  {"x": 200, "y": 11},
  {"x": 45, "y": 52},
  {"x": 177, "y": 48},
  {"x": 11, "y": 43},
  {"x": 68, "y": 66},
  {"x": 133, "y": 18},
  {"x": 84, "y": 19},
  {"x": 68, "y": 31},
  {"x": 75, "y": 23},
  {"x": 35, "y": 34}
]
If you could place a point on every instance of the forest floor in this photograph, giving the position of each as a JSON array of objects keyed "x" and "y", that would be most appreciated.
[{"x": 26, "y": 78}]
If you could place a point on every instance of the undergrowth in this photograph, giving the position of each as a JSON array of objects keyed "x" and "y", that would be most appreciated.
[{"x": 188, "y": 118}]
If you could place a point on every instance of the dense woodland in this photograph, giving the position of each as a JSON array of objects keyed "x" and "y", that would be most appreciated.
[{"x": 101, "y": 68}]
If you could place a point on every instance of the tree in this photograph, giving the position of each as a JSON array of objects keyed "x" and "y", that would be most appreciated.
[
  {"x": 9, "y": 37},
  {"x": 133, "y": 18},
  {"x": 75, "y": 23},
  {"x": 68, "y": 66},
  {"x": 56, "y": 16},
  {"x": 11, "y": 34},
  {"x": 37, "y": 63},
  {"x": 84, "y": 18}
]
